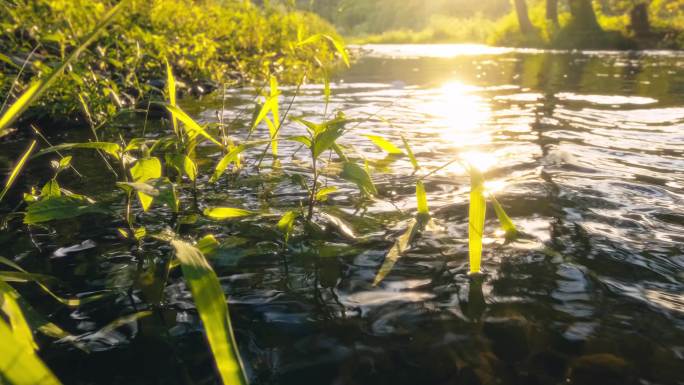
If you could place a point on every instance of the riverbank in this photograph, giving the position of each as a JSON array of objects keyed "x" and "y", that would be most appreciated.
[
  {"x": 207, "y": 45},
  {"x": 616, "y": 33}
]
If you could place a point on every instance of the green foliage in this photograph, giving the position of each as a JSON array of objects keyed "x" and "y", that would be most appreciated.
[
  {"x": 476, "y": 220},
  {"x": 211, "y": 306},
  {"x": 19, "y": 365},
  {"x": 17, "y": 169},
  {"x": 209, "y": 41}
]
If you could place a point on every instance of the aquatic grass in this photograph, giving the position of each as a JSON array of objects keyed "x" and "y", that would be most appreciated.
[
  {"x": 211, "y": 306},
  {"x": 20, "y": 365}
]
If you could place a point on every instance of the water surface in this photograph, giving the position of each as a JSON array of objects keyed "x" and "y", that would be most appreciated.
[{"x": 583, "y": 149}]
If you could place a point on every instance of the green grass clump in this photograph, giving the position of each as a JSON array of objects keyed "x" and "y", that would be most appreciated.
[{"x": 210, "y": 42}]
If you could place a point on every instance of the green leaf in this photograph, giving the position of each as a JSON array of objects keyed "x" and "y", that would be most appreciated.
[
  {"x": 286, "y": 223},
  {"x": 192, "y": 128},
  {"x": 51, "y": 189},
  {"x": 409, "y": 152},
  {"x": 340, "y": 48},
  {"x": 17, "y": 169},
  {"x": 58, "y": 208},
  {"x": 38, "y": 87},
  {"x": 143, "y": 170},
  {"x": 213, "y": 311},
  {"x": 322, "y": 194},
  {"x": 208, "y": 244},
  {"x": 183, "y": 164},
  {"x": 398, "y": 248},
  {"x": 232, "y": 157},
  {"x": 384, "y": 144},
  {"x": 301, "y": 139},
  {"x": 506, "y": 222},
  {"x": 270, "y": 103},
  {"x": 19, "y": 365},
  {"x": 112, "y": 149},
  {"x": 226, "y": 212},
  {"x": 17, "y": 321},
  {"x": 358, "y": 175},
  {"x": 273, "y": 134},
  {"x": 421, "y": 199},
  {"x": 476, "y": 220},
  {"x": 171, "y": 90}
]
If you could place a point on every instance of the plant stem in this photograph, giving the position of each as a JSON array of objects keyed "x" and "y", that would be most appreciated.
[{"x": 312, "y": 197}]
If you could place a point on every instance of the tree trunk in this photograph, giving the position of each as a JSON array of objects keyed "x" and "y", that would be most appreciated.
[
  {"x": 583, "y": 16},
  {"x": 523, "y": 18},
  {"x": 552, "y": 11},
  {"x": 639, "y": 23}
]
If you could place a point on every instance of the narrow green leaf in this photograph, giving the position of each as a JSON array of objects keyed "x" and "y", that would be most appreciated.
[
  {"x": 506, "y": 222},
  {"x": 171, "y": 90},
  {"x": 273, "y": 134},
  {"x": 232, "y": 157},
  {"x": 112, "y": 149},
  {"x": 358, "y": 175},
  {"x": 340, "y": 48},
  {"x": 51, "y": 189},
  {"x": 476, "y": 220},
  {"x": 384, "y": 144},
  {"x": 17, "y": 321},
  {"x": 183, "y": 164},
  {"x": 398, "y": 248},
  {"x": 17, "y": 169},
  {"x": 19, "y": 365},
  {"x": 226, "y": 212},
  {"x": 213, "y": 311},
  {"x": 421, "y": 199},
  {"x": 142, "y": 171},
  {"x": 192, "y": 128},
  {"x": 409, "y": 152},
  {"x": 38, "y": 87},
  {"x": 301, "y": 139}
]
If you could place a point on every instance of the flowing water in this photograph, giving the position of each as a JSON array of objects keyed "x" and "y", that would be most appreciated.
[{"x": 583, "y": 149}]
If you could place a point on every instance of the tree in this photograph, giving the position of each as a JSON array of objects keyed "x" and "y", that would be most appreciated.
[
  {"x": 523, "y": 17},
  {"x": 583, "y": 18},
  {"x": 552, "y": 11}
]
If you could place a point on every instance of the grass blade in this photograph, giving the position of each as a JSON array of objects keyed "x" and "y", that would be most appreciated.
[
  {"x": 17, "y": 169},
  {"x": 421, "y": 199},
  {"x": 112, "y": 149},
  {"x": 409, "y": 152},
  {"x": 192, "y": 128},
  {"x": 17, "y": 321},
  {"x": 213, "y": 311},
  {"x": 171, "y": 89},
  {"x": 19, "y": 365},
  {"x": 476, "y": 219},
  {"x": 38, "y": 87}
]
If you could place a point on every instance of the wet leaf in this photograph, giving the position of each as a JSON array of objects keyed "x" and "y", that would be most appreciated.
[
  {"x": 213, "y": 310},
  {"x": 226, "y": 212},
  {"x": 340, "y": 225}
]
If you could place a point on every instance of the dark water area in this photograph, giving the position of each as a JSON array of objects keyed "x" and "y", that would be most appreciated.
[{"x": 584, "y": 150}]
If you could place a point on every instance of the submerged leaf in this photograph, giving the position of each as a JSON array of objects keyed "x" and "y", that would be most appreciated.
[
  {"x": 213, "y": 311},
  {"x": 226, "y": 212},
  {"x": 17, "y": 169}
]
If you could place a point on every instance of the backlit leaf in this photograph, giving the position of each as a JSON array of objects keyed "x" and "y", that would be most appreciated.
[
  {"x": 19, "y": 365},
  {"x": 192, "y": 128},
  {"x": 58, "y": 208},
  {"x": 112, "y": 149},
  {"x": 506, "y": 222},
  {"x": 398, "y": 248},
  {"x": 384, "y": 144},
  {"x": 421, "y": 199},
  {"x": 226, "y": 212},
  {"x": 17, "y": 169},
  {"x": 476, "y": 220},
  {"x": 358, "y": 175}
]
